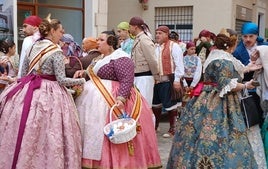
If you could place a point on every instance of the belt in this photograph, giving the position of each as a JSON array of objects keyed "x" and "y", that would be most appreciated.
[
  {"x": 210, "y": 83},
  {"x": 163, "y": 78},
  {"x": 188, "y": 78},
  {"x": 148, "y": 73}
]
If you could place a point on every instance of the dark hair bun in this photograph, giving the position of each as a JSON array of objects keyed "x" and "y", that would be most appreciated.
[
  {"x": 44, "y": 28},
  {"x": 227, "y": 38},
  {"x": 111, "y": 40},
  {"x": 47, "y": 24}
]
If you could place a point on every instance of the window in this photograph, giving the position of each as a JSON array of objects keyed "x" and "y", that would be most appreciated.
[
  {"x": 69, "y": 12},
  {"x": 238, "y": 27},
  {"x": 67, "y": 3},
  {"x": 242, "y": 15},
  {"x": 71, "y": 20},
  {"x": 25, "y": 1},
  {"x": 178, "y": 19}
]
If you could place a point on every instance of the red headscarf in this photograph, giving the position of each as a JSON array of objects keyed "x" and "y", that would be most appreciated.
[{"x": 33, "y": 20}]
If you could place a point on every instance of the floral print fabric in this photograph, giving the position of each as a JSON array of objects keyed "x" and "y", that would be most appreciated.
[{"x": 211, "y": 131}]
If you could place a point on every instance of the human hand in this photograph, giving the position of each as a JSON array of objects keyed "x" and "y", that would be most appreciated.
[
  {"x": 249, "y": 84},
  {"x": 3, "y": 62},
  {"x": 203, "y": 39},
  {"x": 4, "y": 77},
  {"x": 254, "y": 55},
  {"x": 79, "y": 74},
  {"x": 77, "y": 90},
  {"x": 188, "y": 90},
  {"x": 253, "y": 66},
  {"x": 119, "y": 104},
  {"x": 66, "y": 60}
]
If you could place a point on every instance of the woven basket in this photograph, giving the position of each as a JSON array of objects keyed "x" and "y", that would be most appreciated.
[{"x": 120, "y": 130}]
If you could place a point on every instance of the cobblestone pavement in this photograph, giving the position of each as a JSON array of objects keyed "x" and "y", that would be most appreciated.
[{"x": 164, "y": 144}]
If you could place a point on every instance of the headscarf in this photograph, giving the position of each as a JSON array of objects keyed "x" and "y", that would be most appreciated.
[
  {"x": 249, "y": 28},
  {"x": 123, "y": 26},
  {"x": 204, "y": 33},
  {"x": 67, "y": 38},
  {"x": 73, "y": 47},
  {"x": 136, "y": 20},
  {"x": 164, "y": 29},
  {"x": 190, "y": 44},
  {"x": 91, "y": 43},
  {"x": 32, "y": 20}
]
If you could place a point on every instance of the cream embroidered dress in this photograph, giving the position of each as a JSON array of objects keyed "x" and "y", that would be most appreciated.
[{"x": 116, "y": 72}]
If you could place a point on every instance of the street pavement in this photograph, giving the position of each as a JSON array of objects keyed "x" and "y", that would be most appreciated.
[{"x": 164, "y": 144}]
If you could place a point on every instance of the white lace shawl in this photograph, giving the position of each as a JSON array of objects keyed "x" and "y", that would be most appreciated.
[{"x": 106, "y": 59}]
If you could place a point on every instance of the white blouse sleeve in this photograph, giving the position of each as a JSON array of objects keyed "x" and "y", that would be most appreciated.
[{"x": 229, "y": 87}]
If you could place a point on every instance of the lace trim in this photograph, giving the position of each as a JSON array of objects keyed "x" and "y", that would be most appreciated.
[
  {"x": 229, "y": 87},
  {"x": 217, "y": 54}
]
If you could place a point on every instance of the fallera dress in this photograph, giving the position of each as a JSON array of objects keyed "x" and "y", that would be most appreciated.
[
  {"x": 116, "y": 73},
  {"x": 38, "y": 119},
  {"x": 211, "y": 131}
]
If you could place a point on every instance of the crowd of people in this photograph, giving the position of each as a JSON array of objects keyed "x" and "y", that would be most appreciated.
[{"x": 57, "y": 97}]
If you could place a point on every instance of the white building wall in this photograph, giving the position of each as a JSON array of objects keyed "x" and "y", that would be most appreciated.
[
  {"x": 207, "y": 14},
  {"x": 91, "y": 9},
  {"x": 96, "y": 12},
  {"x": 123, "y": 10}
]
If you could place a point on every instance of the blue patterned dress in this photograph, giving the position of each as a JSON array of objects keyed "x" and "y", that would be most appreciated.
[{"x": 211, "y": 131}]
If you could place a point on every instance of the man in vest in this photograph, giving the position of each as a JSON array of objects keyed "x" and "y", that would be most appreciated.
[{"x": 171, "y": 69}]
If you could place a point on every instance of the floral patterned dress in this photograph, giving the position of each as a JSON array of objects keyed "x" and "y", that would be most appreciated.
[
  {"x": 47, "y": 134},
  {"x": 211, "y": 131}
]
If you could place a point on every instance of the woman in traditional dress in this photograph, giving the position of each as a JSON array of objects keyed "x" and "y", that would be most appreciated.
[
  {"x": 112, "y": 76},
  {"x": 10, "y": 60},
  {"x": 38, "y": 121},
  {"x": 211, "y": 131}
]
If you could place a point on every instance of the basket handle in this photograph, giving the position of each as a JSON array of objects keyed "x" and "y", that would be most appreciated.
[
  {"x": 78, "y": 60},
  {"x": 111, "y": 111}
]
